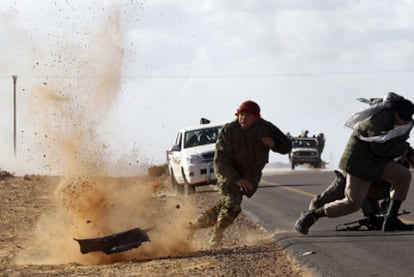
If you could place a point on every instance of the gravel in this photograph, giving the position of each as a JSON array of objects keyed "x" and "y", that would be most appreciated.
[{"x": 247, "y": 250}]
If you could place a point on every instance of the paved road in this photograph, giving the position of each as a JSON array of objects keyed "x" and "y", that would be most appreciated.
[{"x": 277, "y": 204}]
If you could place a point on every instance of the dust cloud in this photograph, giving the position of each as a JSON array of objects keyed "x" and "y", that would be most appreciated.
[{"x": 87, "y": 203}]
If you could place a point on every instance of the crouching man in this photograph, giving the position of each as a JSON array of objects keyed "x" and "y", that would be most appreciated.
[
  {"x": 369, "y": 157},
  {"x": 242, "y": 151}
]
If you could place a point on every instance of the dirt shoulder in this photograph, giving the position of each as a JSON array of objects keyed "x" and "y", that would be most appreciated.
[{"x": 248, "y": 250}]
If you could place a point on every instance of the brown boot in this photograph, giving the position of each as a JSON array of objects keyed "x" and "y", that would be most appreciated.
[{"x": 304, "y": 222}]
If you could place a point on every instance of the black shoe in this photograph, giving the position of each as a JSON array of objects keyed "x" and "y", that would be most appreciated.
[
  {"x": 392, "y": 223},
  {"x": 304, "y": 222},
  {"x": 375, "y": 222}
]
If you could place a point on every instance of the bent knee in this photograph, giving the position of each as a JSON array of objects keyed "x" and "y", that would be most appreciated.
[{"x": 235, "y": 209}]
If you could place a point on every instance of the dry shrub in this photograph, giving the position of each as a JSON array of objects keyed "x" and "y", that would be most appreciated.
[{"x": 5, "y": 174}]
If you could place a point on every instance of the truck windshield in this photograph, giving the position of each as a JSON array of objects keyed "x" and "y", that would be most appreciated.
[
  {"x": 305, "y": 143},
  {"x": 201, "y": 136}
]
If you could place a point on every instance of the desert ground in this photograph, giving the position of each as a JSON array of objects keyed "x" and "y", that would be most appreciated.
[{"x": 40, "y": 216}]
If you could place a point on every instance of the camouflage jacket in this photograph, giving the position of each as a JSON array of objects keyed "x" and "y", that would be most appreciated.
[
  {"x": 242, "y": 154},
  {"x": 366, "y": 160}
]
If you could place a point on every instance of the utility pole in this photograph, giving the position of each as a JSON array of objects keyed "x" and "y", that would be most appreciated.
[{"x": 14, "y": 113}]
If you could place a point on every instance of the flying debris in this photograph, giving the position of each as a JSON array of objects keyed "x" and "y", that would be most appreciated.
[{"x": 114, "y": 243}]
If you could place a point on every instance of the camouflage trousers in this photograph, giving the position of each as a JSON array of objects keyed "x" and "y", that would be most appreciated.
[{"x": 226, "y": 209}]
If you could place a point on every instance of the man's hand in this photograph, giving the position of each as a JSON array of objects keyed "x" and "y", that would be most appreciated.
[
  {"x": 269, "y": 142},
  {"x": 245, "y": 185}
]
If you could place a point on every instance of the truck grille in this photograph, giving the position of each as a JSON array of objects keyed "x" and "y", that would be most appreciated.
[
  {"x": 208, "y": 157},
  {"x": 204, "y": 171},
  {"x": 306, "y": 154}
]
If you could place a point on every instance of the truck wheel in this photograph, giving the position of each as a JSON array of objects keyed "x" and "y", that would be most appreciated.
[
  {"x": 293, "y": 165},
  {"x": 188, "y": 188},
  {"x": 178, "y": 189}
]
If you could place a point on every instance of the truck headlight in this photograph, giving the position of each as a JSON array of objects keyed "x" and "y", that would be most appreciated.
[{"x": 194, "y": 159}]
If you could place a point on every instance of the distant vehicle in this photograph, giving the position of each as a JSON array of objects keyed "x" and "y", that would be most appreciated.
[
  {"x": 190, "y": 159},
  {"x": 305, "y": 150}
]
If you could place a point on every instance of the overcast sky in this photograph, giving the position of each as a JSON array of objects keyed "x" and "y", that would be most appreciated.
[{"x": 164, "y": 64}]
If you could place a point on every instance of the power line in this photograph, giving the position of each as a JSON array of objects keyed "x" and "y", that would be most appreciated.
[
  {"x": 270, "y": 75},
  {"x": 218, "y": 76}
]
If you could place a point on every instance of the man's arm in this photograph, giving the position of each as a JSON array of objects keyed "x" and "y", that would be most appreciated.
[
  {"x": 223, "y": 165},
  {"x": 281, "y": 143}
]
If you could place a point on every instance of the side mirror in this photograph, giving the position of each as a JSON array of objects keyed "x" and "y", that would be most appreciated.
[{"x": 176, "y": 147}]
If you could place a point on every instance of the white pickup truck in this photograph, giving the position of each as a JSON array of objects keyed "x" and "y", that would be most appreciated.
[{"x": 190, "y": 159}]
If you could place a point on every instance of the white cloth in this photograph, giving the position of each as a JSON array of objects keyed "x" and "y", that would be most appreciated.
[
  {"x": 353, "y": 121},
  {"x": 397, "y": 131},
  {"x": 376, "y": 104}
]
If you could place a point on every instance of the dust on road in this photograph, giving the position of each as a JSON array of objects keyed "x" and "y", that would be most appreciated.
[{"x": 37, "y": 239}]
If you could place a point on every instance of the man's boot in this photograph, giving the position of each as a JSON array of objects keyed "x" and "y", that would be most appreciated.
[
  {"x": 307, "y": 219},
  {"x": 384, "y": 205},
  {"x": 216, "y": 238},
  {"x": 207, "y": 219},
  {"x": 304, "y": 222},
  {"x": 195, "y": 226},
  {"x": 391, "y": 220},
  {"x": 370, "y": 209}
]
